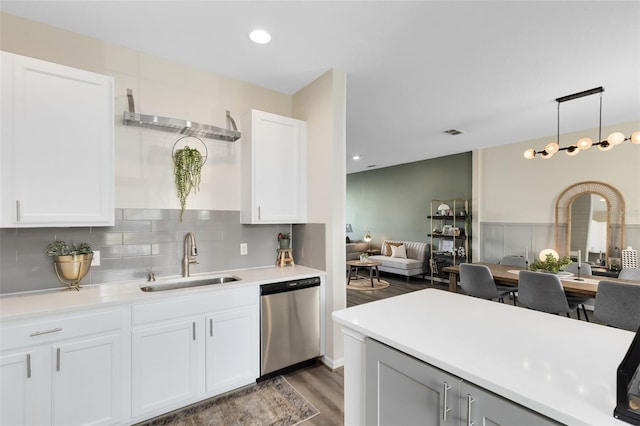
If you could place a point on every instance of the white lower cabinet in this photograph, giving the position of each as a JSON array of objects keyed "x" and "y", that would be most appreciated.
[
  {"x": 165, "y": 365},
  {"x": 231, "y": 349},
  {"x": 191, "y": 348},
  {"x": 69, "y": 372},
  {"x": 19, "y": 390},
  {"x": 402, "y": 390}
]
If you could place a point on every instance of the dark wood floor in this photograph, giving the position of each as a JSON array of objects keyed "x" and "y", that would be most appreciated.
[{"x": 323, "y": 387}]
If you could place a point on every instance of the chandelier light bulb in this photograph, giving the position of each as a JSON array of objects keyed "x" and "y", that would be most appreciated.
[
  {"x": 584, "y": 143},
  {"x": 546, "y": 155},
  {"x": 635, "y": 138},
  {"x": 605, "y": 146},
  {"x": 530, "y": 153},
  {"x": 552, "y": 148},
  {"x": 572, "y": 150},
  {"x": 615, "y": 138}
]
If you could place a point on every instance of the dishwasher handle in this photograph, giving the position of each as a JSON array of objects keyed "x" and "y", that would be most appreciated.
[{"x": 284, "y": 286}]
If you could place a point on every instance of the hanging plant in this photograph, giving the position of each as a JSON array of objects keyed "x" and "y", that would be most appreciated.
[{"x": 188, "y": 168}]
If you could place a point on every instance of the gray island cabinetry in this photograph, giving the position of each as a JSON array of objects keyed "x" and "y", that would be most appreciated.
[
  {"x": 404, "y": 390},
  {"x": 439, "y": 358}
]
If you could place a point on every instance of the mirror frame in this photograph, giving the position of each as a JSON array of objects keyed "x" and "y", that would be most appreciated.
[{"x": 615, "y": 216}]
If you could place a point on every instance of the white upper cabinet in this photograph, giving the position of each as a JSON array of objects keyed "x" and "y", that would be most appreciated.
[
  {"x": 274, "y": 169},
  {"x": 57, "y": 149}
]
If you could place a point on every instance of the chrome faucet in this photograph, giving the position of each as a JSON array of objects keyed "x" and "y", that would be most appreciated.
[{"x": 190, "y": 250}]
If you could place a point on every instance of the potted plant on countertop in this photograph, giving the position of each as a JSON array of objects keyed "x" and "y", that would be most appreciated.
[
  {"x": 284, "y": 239},
  {"x": 71, "y": 263}
]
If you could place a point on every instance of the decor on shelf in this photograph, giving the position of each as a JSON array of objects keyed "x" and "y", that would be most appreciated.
[
  {"x": 549, "y": 261},
  {"x": 284, "y": 239},
  {"x": 584, "y": 143},
  {"x": 71, "y": 263},
  {"x": 443, "y": 209},
  {"x": 188, "y": 164}
]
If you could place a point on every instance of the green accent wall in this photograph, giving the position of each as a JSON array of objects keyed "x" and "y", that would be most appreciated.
[{"x": 393, "y": 202}]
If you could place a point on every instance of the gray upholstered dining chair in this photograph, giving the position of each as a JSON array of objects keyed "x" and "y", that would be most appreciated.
[
  {"x": 618, "y": 305},
  {"x": 476, "y": 280},
  {"x": 585, "y": 269},
  {"x": 514, "y": 261},
  {"x": 629, "y": 274},
  {"x": 543, "y": 292}
]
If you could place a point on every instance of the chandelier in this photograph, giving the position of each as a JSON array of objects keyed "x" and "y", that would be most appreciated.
[{"x": 615, "y": 138}]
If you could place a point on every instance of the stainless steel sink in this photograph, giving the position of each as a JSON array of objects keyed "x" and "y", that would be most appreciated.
[{"x": 188, "y": 284}]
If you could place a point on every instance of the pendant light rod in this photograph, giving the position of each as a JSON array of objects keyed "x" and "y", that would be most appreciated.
[{"x": 580, "y": 94}]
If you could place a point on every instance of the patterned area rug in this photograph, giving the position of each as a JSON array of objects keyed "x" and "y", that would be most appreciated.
[
  {"x": 272, "y": 402},
  {"x": 364, "y": 284}
]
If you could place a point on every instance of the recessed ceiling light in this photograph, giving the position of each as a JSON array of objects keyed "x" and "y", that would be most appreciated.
[
  {"x": 356, "y": 157},
  {"x": 260, "y": 36}
]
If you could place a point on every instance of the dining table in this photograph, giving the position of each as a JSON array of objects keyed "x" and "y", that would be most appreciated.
[{"x": 585, "y": 285}]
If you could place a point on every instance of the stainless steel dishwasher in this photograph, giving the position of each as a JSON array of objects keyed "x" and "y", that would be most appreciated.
[{"x": 289, "y": 325}]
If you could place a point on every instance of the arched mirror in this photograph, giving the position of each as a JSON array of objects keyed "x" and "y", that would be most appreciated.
[{"x": 590, "y": 218}]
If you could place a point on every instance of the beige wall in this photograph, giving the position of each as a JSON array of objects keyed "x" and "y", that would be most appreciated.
[
  {"x": 509, "y": 189},
  {"x": 322, "y": 105},
  {"x": 514, "y": 189}
]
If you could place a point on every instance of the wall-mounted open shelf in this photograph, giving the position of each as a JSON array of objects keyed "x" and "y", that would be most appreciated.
[{"x": 175, "y": 125}]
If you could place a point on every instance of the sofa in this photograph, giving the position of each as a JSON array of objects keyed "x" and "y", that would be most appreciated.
[
  {"x": 416, "y": 262},
  {"x": 355, "y": 249}
]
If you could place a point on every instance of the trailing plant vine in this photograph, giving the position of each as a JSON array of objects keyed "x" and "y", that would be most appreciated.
[{"x": 188, "y": 168}]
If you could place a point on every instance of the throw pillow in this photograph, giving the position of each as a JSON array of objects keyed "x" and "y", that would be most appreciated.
[
  {"x": 387, "y": 247},
  {"x": 399, "y": 251}
]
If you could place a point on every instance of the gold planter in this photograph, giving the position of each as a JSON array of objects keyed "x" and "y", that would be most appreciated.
[{"x": 73, "y": 268}]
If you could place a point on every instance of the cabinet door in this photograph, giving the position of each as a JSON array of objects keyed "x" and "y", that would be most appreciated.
[
  {"x": 487, "y": 408},
  {"x": 232, "y": 349},
  {"x": 401, "y": 390},
  {"x": 57, "y": 145},
  {"x": 274, "y": 178},
  {"x": 165, "y": 366},
  {"x": 19, "y": 396},
  {"x": 87, "y": 378}
]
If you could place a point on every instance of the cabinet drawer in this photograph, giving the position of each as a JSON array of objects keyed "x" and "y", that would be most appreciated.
[
  {"x": 185, "y": 306},
  {"x": 24, "y": 333}
]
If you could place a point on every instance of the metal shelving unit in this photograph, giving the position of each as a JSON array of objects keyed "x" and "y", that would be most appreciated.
[{"x": 449, "y": 236}]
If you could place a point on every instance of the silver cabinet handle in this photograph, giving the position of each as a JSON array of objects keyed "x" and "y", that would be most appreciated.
[
  {"x": 470, "y": 401},
  {"x": 17, "y": 210},
  {"x": 194, "y": 330},
  {"x": 28, "y": 366},
  {"x": 259, "y": 215},
  {"x": 58, "y": 359},
  {"x": 39, "y": 333},
  {"x": 211, "y": 327},
  {"x": 445, "y": 409}
]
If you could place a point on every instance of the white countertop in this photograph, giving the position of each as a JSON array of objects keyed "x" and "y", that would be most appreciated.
[
  {"x": 557, "y": 366},
  {"x": 34, "y": 304}
]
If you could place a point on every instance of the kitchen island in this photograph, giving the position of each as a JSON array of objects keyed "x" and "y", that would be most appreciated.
[{"x": 553, "y": 368}]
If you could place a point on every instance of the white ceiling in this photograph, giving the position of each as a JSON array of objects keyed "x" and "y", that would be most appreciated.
[{"x": 414, "y": 68}]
